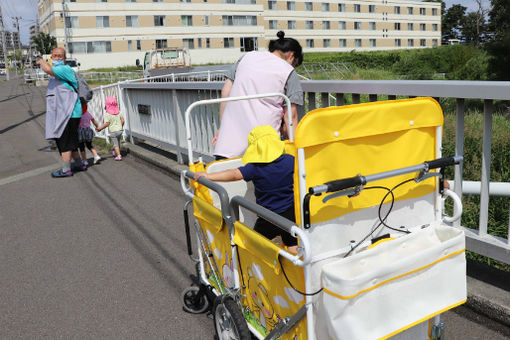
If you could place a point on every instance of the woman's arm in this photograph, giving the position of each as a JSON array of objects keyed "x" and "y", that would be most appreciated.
[
  {"x": 225, "y": 93},
  {"x": 122, "y": 121},
  {"x": 222, "y": 176},
  {"x": 284, "y": 131}
]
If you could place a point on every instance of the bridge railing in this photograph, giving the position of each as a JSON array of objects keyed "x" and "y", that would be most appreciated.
[{"x": 155, "y": 112}]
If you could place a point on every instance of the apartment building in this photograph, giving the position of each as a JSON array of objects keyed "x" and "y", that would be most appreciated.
[{"x": 117, "y": 32}]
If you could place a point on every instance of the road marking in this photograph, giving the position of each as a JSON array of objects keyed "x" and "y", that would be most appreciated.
[{"x": 28, "y": 174}]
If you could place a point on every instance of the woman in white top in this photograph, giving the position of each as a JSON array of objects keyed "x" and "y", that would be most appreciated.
[{"x": 259, "y": 72}]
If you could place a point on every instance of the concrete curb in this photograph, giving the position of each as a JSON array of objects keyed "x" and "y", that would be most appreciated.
[{"x": 483, "y": 298}]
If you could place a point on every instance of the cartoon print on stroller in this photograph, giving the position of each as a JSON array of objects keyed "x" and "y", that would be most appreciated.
[{"x": 377, "y": 256}]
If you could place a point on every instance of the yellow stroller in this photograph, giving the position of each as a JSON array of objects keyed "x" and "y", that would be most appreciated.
[{"x": 377, "y": 258}]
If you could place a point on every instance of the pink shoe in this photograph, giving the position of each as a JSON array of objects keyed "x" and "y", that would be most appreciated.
[{"x": 118, "y": 158}]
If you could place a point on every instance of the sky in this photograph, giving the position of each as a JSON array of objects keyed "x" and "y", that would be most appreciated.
[{"x": 27, "y": 11}]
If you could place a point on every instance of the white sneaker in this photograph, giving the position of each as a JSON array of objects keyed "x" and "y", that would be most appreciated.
[{"x": 97, "y": 159}]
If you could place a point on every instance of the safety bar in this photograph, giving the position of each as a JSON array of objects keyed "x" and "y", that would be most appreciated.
[
  {"x": 350, "y": 182},
  {"x": 222, "y": 193},
  {"x": 280, "y": 222},
  {"x": 187, "y": 114}
]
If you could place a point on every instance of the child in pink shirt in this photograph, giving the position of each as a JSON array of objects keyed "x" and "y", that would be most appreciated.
[{"x": 85, "y": 137}]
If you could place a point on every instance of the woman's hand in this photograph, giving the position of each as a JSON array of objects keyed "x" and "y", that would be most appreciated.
[{"x": 215, "y": 138}]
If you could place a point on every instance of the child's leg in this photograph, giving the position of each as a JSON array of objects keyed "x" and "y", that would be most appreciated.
[
  {"x": 82, "y": 150},
  {"x": 116, "y": 144}
]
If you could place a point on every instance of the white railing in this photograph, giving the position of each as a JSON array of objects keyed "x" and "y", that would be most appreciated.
[{"x": 155, "y": 112}]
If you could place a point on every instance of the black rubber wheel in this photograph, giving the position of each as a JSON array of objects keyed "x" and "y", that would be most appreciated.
[
  {"x": 229, "y": 320},
  {"x": 194, "y": 301}
]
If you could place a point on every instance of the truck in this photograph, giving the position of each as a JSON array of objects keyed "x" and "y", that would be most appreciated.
[{"x": 164, "y": 61}]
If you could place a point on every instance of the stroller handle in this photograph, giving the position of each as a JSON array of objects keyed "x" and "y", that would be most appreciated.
[{"x": 358, "y": 180}]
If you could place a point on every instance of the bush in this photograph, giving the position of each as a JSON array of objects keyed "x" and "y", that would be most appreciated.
[{"x": 500, "y": 172}]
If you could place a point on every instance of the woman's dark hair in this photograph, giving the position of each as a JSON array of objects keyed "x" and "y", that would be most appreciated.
[{"x": 287, "y": 45}]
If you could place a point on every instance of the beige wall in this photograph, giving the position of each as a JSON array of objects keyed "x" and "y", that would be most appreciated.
[
  {"x": 87, "y": 22},
  {"x": 145, "y": 20},
  {"x": 120, "y": 46},
  {"x": 117, "y": 21}
]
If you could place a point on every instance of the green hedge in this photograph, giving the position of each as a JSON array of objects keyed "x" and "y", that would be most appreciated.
[{"x": 500, "y": 172}]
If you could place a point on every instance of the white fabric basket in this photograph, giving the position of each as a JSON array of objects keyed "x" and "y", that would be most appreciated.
[{"x": 397, "y": 284}]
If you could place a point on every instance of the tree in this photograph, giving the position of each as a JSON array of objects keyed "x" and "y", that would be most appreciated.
[
  {"x": 452, "y": 22},
  {"x": 499, "y": 43},
  {"x": 44, "y": 43},
  {"x": 473, "y": 28}
]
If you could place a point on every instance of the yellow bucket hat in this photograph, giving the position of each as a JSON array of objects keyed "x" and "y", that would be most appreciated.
[{"x": 264, "y": 145}]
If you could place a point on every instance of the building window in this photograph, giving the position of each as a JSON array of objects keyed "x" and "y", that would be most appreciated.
[
  {"x": 326, "y": 43},
  {"x": 101, "y": 0},
  {"x": 273, "y": 24},
  {"x": 342, "y": 25},
  {"x": 372, "y": 26},
  {"x": 357, "y": 8},
  {"x": 249, "y": 44},
  {"x": 410, "y": 42},
  {"x": 423, "y": 42},
  {"x": 157, "y": 0},
  {"x": 434, "y": 27},
  {"x": 239, "y": 20},
  {"x": 99, "y": 47},
  {"x": 309, "y": 43},
  {"x": 102, "y": 22},
  {"x": 371, "y": 8},
  {"x": 131, "y": 21},
  {"x": 434, "y": 11},
  {"x": 77, "y": 47},
  {"x": 228, "y": 42},
  {"x": 71, "y": 22},
  {"x": 130, "y": 45},
  {"x": 373, "y": 43},
  {"x": 397, "y": 10},
  {"x": 343, "y": 42},
  {"x": 207, "y": 42},
  {"x": 199, "y": 42},
  {"x": 187, "y": 1},
  {"x": 398, "y": 42},
  {"x": 291, "y": 24},
  {"x": 410, "y": 10},
  {"x": 423, "y": 11},
  {"x": 357, "y": 42},
  {"x": 188, "y": 43},
  {"x": 410, "y": 26},
  {"x": 423, "y": 27},
  {"x": 186, "y": 20},
  {"x": 159, "y": 20},
  {"x": 129, "y": 0},
  {"x": 309, "y": 25},
  {"x": 326, "y": 25},
  {"x": 138, "y": 45},
  {"x": 161, "y": 43},
  {"x": 271, "y": 4},
  {"x": 309, "y": 6},
  {"x": 434, "y": 42},
  {"x": 291, "y": 6},
  {"x": 325, "y": 6},
  {"x": 357, "y": 25},
  {"x": 397, "y": 26},
  {"x": 206, "y": 20},
  {"x": 341, "y": 7}
]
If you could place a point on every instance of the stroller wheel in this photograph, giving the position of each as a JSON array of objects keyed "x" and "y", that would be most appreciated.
[
  {"x": 194, "y": 300},
  {"x": 229, "y": 321}
]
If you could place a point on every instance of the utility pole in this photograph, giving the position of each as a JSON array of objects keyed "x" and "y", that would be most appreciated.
[
  {"x": 4, "y": 46},
  {"x": 19, "y": 40}
]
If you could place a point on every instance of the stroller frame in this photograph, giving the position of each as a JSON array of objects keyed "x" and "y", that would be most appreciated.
[{"x": 230, "y": 213}]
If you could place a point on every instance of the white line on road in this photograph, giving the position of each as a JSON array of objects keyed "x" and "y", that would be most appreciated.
[{"x": 27, "y": 174}]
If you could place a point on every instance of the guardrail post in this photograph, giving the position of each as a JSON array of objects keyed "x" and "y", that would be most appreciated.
[
  {"x": 459, "y": 150},
  {"x": 356, "y": 99},
  {"x": 486, "y": 167},
  {"x": 340, "y": 100}
]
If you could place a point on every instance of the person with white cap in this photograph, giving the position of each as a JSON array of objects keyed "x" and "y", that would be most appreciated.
[
  {"x": 272, "y": 173},
  {"x": 115, "y": 123}
]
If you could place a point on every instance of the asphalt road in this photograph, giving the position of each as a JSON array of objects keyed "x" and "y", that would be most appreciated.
[{"x": 102, "y": 255}]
